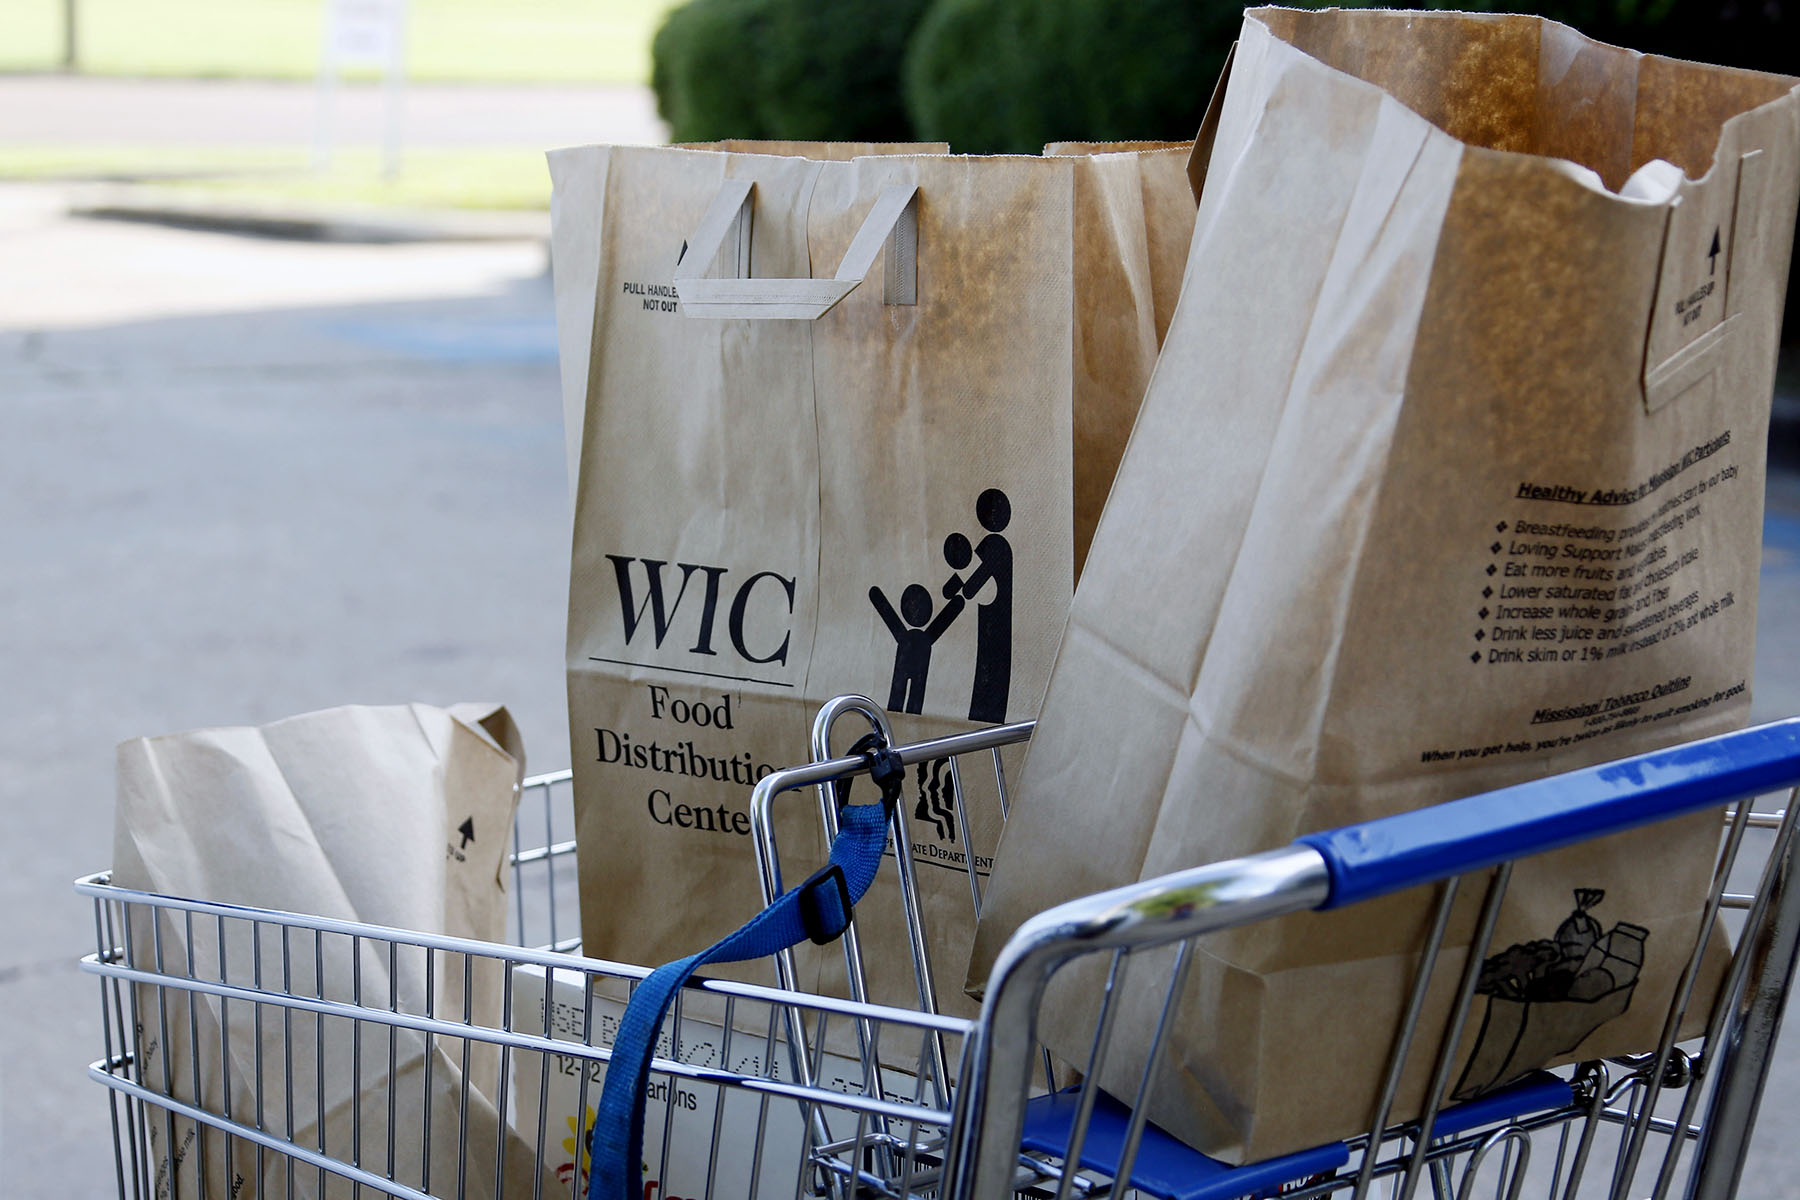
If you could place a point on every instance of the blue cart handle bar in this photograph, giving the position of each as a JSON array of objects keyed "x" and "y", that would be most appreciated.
[{"x": 1394, "y": 853}]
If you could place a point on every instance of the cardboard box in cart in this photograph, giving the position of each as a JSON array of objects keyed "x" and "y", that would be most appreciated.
[{"x": 746, "y": 1121}]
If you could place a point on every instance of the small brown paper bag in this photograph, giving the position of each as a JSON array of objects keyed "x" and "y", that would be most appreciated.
[
  {"x": 398, "y": 816},
  {"x": 1450, "y": 476}
]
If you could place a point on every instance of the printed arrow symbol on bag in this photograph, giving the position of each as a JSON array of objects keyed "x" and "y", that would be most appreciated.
[
  {"x": 467, "y": 829},
  {"x": 1712, "y": 256}
]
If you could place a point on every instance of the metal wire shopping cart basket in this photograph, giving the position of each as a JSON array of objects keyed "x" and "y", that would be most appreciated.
[{"x": 769, "y": 1091}]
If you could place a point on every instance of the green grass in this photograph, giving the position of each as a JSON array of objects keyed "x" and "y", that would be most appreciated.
[
  {"x": 497, "y": 41},
  {"x": 428, "y": 178},
  {"x": 140, "y": 162}
]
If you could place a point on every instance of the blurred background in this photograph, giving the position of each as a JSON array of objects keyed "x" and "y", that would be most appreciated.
[
  {"x": 446, "y": 105},
  {"x": 278, "y": 374},
  {"x": 987, "y": 76}
]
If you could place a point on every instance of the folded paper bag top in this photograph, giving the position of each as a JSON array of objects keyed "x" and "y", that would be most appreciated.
[
  {"x": 399, "y": 816},
  {"x": 332, "y": 813},
  {"x": 1450, "y": 474}
]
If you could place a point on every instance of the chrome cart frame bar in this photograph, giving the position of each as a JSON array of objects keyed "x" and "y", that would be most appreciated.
[
  {"x": 990, "y": 1108},
  {"x": 822, "y": 774},
  {"x": 1744, "y": 1055},
  {"x": 1374, "y": 858}
]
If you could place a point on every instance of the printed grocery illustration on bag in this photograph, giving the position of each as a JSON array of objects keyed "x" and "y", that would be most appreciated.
[
  {"x": 916, "y": 628},
  {"x": 1546, "y": 996}
]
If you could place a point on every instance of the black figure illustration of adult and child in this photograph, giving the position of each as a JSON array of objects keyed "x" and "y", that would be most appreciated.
[{"x": 916, "y": 629}]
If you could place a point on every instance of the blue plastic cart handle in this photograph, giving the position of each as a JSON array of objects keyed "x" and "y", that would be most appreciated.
[{"x": 1429, "y": 844}]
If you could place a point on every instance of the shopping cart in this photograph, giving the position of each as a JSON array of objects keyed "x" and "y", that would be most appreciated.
[{"x": 770, "y": 1091}]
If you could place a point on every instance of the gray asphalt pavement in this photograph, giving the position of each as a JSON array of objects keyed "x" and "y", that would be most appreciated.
[{"x": 243, "y": 478}]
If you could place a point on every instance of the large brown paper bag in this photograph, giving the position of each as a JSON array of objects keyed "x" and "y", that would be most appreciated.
[
  {"x": 1450, "y": 476},
  {"x": 795, "y": 484},
  {"x": 398, "y": 816}
]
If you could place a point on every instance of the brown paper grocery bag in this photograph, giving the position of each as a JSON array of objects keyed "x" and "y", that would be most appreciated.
[
  {"x": 399, "y": 816},
  {"x": 796, "y": 483},
  {"x": 1450, "y": 476}
]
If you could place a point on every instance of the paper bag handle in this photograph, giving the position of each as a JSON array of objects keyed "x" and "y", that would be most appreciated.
[{"x": 893, "y": 222}]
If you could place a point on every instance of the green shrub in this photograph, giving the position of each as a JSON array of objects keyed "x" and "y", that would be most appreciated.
[
  {"x": 704, "y": 65},
  {"x": 831, "y": 68},
  {"x": 1007, "y": 76},
  {"x": 800, "y": 70},
  {"x": 962, "y": 74}
]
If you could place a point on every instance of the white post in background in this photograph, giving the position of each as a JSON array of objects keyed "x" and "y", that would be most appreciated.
[
  {"x": 363, "y": 33},
  {"x": 71, "y": 59}
]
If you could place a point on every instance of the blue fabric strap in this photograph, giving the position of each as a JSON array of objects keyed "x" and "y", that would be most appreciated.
[{"x": 818, "y": 909}]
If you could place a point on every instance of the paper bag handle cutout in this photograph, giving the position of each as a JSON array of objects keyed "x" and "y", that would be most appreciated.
[{"x": 893, "y": 222}]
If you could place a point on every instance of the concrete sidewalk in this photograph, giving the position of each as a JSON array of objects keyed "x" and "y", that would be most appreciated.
[{"x": 65, "y": 110}]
